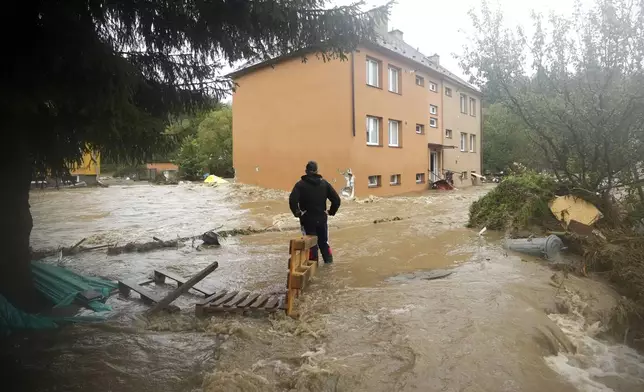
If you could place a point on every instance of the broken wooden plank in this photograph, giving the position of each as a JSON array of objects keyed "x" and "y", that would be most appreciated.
[
  {"x": 272, "y": 302},
  {"x": 213, "y": 297},
  {"x": 147, "y": 295},
  {"x": 160, "y": 275},
  {"x": 200, "y": 307},
  {"x": 260, "y": 301},
  {"x": 224, "y": 299},
  {"x": 249, "y": 300},
  {"x": 184, "y": 287},
  {"x": 237, "y": 299}
]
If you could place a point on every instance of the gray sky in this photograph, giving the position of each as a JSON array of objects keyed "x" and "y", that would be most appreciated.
[{"x": 442, "y": 26}]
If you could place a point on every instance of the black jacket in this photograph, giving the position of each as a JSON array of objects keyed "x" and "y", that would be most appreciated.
[{"x": 309, "y": 195}]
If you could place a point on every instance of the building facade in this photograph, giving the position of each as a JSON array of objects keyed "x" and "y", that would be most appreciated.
[{"x": 391, "y": 116}]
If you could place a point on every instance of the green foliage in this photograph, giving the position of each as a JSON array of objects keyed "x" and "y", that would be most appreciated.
[
  {"x": 189, "y": 159},
  {"x": 215, "y": 135},
  {"x": 105, "y": 75},
  {"x": 518, "y": 202},
  {"x": 506, "y": 141},
  {"x": 581, "y": 102},
  {"x": 210, "y": 148}
]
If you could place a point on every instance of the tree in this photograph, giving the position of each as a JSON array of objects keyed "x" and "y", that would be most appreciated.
[
  {"x": 581, "y": 98},
  {"x": 506, "y": 141},
  {"x": 210, "y": 147},
  {"x": 216, "y": 141},
  {"x": 105, "y": 75}
]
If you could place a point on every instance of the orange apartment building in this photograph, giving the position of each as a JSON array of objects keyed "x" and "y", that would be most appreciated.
[{"x": 396, "y": 118}]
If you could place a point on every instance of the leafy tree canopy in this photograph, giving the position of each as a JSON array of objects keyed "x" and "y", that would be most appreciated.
[
  {"x": 106, "y": 74},
  {"x": 581, "y": 98}
]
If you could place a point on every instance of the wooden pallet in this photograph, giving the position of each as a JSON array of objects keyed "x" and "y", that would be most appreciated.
[
  {"x": 147, "y": 295},
  {"x": 236, "y": 301},
  {"x": 161, "y": 275}
]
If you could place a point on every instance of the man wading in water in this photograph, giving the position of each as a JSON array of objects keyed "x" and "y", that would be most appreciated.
[{"x": 308, "y": 202}]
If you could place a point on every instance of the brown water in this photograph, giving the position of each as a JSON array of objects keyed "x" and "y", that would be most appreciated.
[{"x": 483, "y": 328}]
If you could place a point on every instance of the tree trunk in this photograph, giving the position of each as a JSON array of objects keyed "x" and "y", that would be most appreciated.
[{"x": 15, "y": 256}]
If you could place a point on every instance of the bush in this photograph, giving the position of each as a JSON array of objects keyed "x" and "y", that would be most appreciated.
[{"x": 518, "y": 202}]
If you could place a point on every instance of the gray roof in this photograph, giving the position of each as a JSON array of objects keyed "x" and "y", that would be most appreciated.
[
  {"x": 404, "y": 49},
  {"x": 390, "y": 43}
]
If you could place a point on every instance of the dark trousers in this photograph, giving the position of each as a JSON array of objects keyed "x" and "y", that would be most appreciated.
[{"x": 320, "y": 229}]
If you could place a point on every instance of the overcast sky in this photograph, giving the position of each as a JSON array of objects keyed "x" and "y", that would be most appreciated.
[{"x": 442, "y": 26}]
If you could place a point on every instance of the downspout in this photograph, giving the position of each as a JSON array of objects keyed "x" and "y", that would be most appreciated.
[
  {"x": 353, "y": 96},
  {"x": 480, "y": 150},
  {"x": 441, "y": 171}
]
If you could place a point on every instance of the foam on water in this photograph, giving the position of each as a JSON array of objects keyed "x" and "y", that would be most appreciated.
[{"x": 597, "y": 365}]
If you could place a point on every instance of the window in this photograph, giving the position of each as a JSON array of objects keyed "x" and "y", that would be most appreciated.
[
  {"x": 472, "y": 143},
  {"x": 432, "y": 86},
  {"x": 420, "y": 129},
  {"x": 373, "y": 73},
  {"x": 394, "y": 133},
  {"x": 420, "y": 81},
  {"x": 433, "y": 122},
  {"x": 463, "y": 141},
  {"x": 448, "y": 133},
  {"x": 394, "y": 80},
  {"x": 463, "y": 103},
  {"x": 472, "y": 107},
  {"x": 448, "y": 91},
  {"x": 394, "y": 179},
  {"x": 373, "y": 131},
  {"x": 433, "y": 109},
  {"x": 374, "y": 181},
  {"x": 420, "y": 178}
]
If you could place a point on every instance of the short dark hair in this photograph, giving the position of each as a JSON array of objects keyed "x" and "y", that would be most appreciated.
[{"x": 312, "y": 167}]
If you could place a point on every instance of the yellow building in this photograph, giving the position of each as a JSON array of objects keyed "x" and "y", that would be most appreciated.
[{"x": 89, "y": 169}]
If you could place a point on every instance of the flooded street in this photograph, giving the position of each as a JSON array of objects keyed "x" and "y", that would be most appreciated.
[{"x": 492, "y": 325}]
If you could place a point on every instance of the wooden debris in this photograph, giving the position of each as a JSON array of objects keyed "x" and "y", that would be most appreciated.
[
  {"x": 301, "y": 269},
  {"x": 147, "y": 295},
  {"x": 184, "y": 287},
  {"x": 240, "y": 302},
  {"x": 160, "y": 275}
]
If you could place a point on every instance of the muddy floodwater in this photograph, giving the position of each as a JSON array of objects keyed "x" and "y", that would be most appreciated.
[{"x": 369, "y": 322}]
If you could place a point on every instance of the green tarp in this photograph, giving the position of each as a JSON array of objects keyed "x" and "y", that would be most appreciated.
[{"x": 62, "y": 287}]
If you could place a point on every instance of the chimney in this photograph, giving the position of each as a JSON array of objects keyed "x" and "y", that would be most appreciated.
[
  {"x": 436, "y": 59},
  {"x": 396, "y": 34},
  {"x": 380, "y": 26}
]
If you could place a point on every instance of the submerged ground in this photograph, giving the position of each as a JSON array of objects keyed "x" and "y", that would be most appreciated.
[{"x": 495, "y": 324}]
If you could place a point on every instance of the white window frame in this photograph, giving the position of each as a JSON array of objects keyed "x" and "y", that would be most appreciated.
[
  {"x": 448, "y": 133},
  {"x": 371, "y": 73},
  {"x": 448, "y": 91},
  {"x": 433, "y": 109},
  {"x": 433, "y": 87},
  {"x": 373, "y": 120},
  {"x": 422, "y": 129},
  {"x": 394, "y": 179},
  {"x": 472, "y": 142},
  {"x": 463, "y": 142},
  {"x": 373, "y": 184},
  {"x": 394, "y": 79},
  {"x": 421, "y": 179},
  {"x": 421, "y": 79},
  {"x": 433, "y": 122},
  {"x": 472, "y": 107},
  {"x": 463, "y": 103},
  {"x": 392, "y": 132}
]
